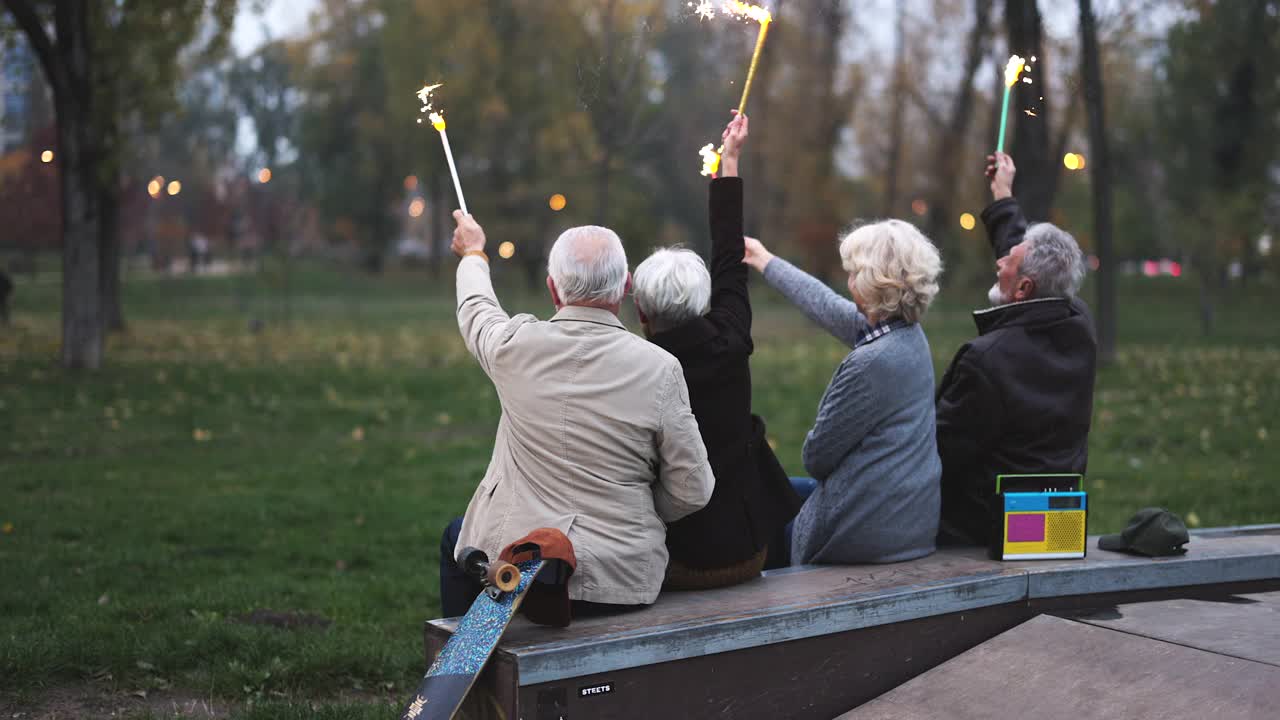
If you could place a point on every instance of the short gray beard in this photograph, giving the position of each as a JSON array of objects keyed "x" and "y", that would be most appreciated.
[{"x": 995, "y": 297}]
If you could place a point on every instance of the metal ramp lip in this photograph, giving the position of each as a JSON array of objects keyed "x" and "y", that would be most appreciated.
[{"x": 559, "y": 660}]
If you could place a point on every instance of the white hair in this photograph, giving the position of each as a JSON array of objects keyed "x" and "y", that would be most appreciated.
[
  {"x": 1053, "y": 259},
  {"x": 672, "y": 286},
  {"x": 588, "y": 265},
  {"x": 893, "y": 267}
]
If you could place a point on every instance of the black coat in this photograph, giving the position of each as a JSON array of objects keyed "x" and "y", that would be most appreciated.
[
  {"x": 1017, "y": 399},
  {"x": 753, "y": 497}
]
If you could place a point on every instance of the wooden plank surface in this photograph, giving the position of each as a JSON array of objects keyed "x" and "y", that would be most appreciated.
[
  {"x": 1244, "y": 626},
  {"x": 1054, "y": 669}
]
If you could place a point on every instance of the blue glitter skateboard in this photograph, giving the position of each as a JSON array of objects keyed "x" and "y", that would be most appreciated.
[{"x": 459, "y": 663}]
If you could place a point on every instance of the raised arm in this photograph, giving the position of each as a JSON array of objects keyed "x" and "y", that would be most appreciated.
[
  {"x": 484, "y": 324},
  {"x": 729, "y": 298},
  {"x": 1003, "y": 218},
  {"x": 821, "y": 304}
]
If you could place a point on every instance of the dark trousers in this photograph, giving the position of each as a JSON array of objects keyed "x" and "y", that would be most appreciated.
[
  {"x": 458, "y": 589},
  {"x": 780, "y": 548}
]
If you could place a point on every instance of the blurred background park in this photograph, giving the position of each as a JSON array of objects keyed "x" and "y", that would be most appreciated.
[{"x": 235, "y": 412}]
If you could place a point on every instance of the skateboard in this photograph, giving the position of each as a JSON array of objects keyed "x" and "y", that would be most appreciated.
[{"x": 450, "y": 677}]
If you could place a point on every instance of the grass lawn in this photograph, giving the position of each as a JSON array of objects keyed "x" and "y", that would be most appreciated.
[{"x": 305, "y": 472}]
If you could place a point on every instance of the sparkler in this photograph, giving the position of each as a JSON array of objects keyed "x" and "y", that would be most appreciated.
[
  {"x": 762, "y": 16},
  {"x": 737, "y": 8},
  {"x": 1011, "y": 73},
  {"x": 437, "y": 121}
]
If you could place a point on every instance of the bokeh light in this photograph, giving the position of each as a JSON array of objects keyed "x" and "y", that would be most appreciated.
[
  {"x": 264, "y": 175},
  {"x": 919, "y": 207},
  {"x": 968, "y": 221},
  {"x": 506, "y": 250},
  {"x": 155, "y": 187},
  {"x": 417, "y": 207},
  {"x": 558, "y": 202},
  {"x": 411, "y": 182},
  {"x": 175, "y": 187},
  {"x": 46, "y": 156},
  {"x": 1073, "y": 161}
]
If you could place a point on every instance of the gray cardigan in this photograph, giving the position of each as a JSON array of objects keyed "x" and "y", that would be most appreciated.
[{"x": 873, "y": 447}]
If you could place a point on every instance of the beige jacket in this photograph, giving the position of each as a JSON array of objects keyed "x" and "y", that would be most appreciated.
[{"x": 596, "y": 439}]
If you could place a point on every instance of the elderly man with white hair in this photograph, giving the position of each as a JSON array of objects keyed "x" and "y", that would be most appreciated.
[
  {"x": 1018, "y": 398},
  {"x": 596, "y": 438},
  {"x": 871, "y": 453},
  {"x": 703, "y": 318}
]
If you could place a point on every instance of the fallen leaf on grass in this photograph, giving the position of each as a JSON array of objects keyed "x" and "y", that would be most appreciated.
[
  {"x": 104, "y": 599},
  {"x": 1193, "y": 520},
  {"x": 357, "y": 434}
]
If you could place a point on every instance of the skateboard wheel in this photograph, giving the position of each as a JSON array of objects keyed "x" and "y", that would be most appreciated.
[{"x": 503, "y": 576}]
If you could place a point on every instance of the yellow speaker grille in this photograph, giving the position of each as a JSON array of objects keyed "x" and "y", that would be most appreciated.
[{"x": 1064, "y": 532}]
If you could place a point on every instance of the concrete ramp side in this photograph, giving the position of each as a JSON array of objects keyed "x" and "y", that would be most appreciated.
[{"x": 1052, "y": 668}]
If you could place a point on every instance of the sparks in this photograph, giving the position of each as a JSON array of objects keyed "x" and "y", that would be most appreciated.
[
  {"x": 750, "y": 12},
  {"x": 424, "y": 95},
  {"x": 705, "y": 10},
  {"x": 1013, "y": 70},
  {"x": 710, "y": 160},
  {"x": 437, "y": 121}
]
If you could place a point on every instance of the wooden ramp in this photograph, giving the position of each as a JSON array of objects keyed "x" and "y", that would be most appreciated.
[
  {"x": 813, "y": 642},
  {"x": 1050, "y": 668}
]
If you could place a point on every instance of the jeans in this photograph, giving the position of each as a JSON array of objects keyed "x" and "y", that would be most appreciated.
[
  {"x": 458, "y": 589},
  {"x": 780, "y": 548}
]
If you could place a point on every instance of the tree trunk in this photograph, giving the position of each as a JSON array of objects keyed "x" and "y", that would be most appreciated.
[
  {"x": 948, "y": 153},
  {"x": 1100, "y": 176},
  {"x": 67, "y": 66},
  {"x": 109, "y": 256},
  {"x": 1030, "y": 149},
  {"x": 896, "y": 131},
  {"x": 81, "y": 313}
]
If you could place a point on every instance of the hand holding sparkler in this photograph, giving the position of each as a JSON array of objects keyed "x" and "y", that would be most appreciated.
[
  {"x": 732, "y": 140},
  {"x": 468, "y": 236},
  {"x": 1001, "y": 170}
]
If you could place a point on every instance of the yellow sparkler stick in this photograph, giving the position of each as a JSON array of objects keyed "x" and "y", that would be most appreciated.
[
  {"x": 755, "y": 59},
  {"x": 437, "y": 121}
]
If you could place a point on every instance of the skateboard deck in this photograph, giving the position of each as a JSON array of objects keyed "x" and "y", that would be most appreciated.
[{"x": 459, "y": 663}]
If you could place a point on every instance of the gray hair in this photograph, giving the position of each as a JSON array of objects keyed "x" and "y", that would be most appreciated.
[
  {"x": 588, "y": 266},
  {"x": 672, "y": 286},
  {"x": 894, "y": 268},
  {"x": 1053, "y": 259}
]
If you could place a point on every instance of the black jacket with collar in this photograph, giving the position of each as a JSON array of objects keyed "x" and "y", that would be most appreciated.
[
  {"x": 753, "y": 497},
  {"x": 1017, "y": 399}
]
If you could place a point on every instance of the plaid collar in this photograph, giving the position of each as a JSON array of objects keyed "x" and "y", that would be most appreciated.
[{"x": 872, "y": 333}]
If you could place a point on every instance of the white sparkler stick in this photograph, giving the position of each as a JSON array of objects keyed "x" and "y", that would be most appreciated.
[{"x": 437, "y": 121}]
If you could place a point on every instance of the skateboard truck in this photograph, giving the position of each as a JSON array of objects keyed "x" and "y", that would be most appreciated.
[{"x": 497, "y": 577}]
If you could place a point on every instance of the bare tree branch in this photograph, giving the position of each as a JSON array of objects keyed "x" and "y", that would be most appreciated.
[{"x": 24, "y": 13}]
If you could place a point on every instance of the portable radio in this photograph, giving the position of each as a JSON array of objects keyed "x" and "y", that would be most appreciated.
[{"x": 1042, "y": 517}]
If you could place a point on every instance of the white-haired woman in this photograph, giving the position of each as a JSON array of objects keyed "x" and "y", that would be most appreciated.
[
  {"x": 872, "y": 449},
  {"x": 704, "y": 319}
]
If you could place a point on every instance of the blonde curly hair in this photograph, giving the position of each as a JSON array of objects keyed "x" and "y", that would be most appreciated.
[{"x": 893, "y": 268}]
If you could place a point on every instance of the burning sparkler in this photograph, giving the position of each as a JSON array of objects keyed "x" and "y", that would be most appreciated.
[
  {"x": 437, "y": 121},
  {"x": 736, "y": 8},
  {"x": 1011, "y": 73}
]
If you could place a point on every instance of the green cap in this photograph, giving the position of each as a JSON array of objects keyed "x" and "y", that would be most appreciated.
[{"x": 1151, "y": 531}]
